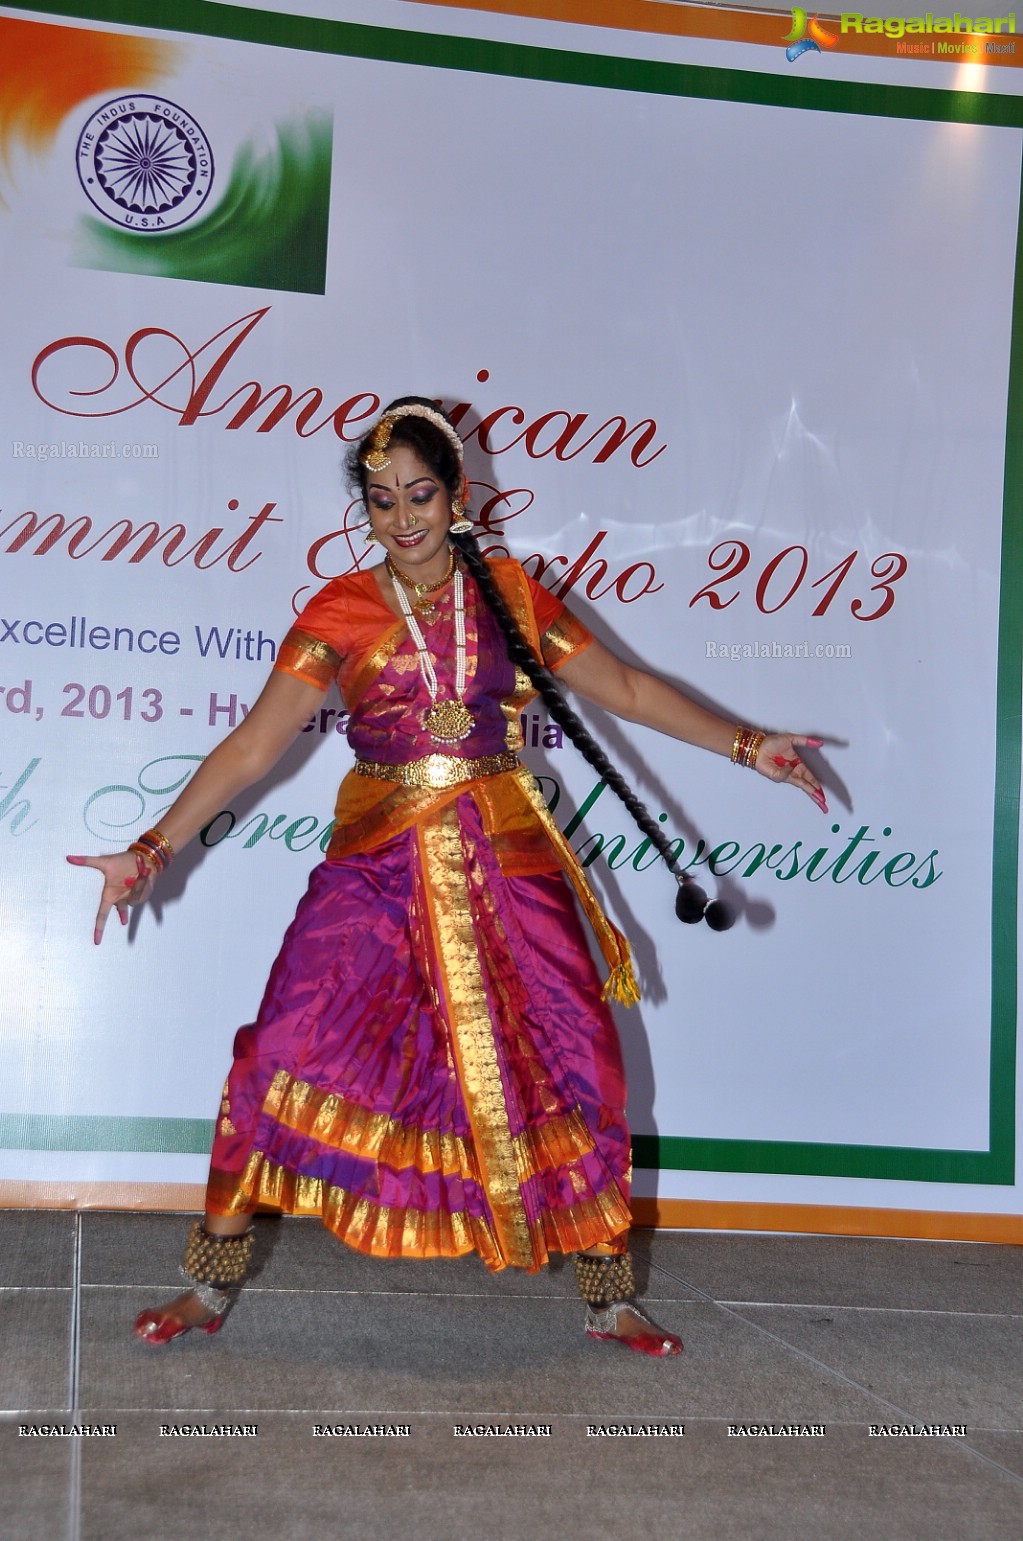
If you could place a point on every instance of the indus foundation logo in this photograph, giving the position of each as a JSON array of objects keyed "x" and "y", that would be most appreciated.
[{"x": 145, "y": 163}]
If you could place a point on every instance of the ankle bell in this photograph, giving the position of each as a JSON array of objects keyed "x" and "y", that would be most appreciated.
[
  {"x": 603, "y": 1281},
  {"x": 216, "y": 1266}
]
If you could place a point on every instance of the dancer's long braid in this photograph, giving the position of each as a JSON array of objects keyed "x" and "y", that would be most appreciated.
[{"x": 691, "y": 903}]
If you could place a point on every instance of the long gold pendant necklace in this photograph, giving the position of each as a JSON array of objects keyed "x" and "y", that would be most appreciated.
[{"x": 446, "y": 721}]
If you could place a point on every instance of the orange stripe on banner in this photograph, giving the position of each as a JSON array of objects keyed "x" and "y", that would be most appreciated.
[
  {"x": 186, "y": 1197},
  {"x": 663, "y": 1214},
  {"x": 45, "y": 71},
  {"x": 768, "y": 28},
  {"x": 826, "y": 1220}
]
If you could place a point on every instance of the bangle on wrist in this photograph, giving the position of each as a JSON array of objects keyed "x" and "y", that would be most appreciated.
[
  {"x": 746, "y": 746},
  {"x": 155, "y": 849}
]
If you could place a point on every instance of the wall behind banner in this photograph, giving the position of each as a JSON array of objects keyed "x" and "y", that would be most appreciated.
[{"x": 720, "y": 391}]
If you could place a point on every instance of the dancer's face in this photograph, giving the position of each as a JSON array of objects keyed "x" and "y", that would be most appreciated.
[{"x": 410, "y": 511}]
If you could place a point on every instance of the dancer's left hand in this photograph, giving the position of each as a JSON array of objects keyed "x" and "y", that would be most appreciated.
[{"x": 779, "y": 760}]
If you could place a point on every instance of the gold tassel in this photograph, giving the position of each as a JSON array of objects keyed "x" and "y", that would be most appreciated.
[
  {"x": 621, "y": 985},
  {"x": 621, "y": 982}
]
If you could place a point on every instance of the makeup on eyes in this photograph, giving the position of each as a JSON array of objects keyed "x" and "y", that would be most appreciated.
[{"x": 385, "y": 499}]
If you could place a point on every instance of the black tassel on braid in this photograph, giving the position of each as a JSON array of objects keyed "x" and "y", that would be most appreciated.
[{"x": 691, "y": 903}]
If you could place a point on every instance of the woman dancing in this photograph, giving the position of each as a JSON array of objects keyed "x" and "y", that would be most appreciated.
[{"x": 434, "y": 1069}]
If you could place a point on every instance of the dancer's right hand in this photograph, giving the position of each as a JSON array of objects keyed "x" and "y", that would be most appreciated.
[{"x": 127, "y": 880}]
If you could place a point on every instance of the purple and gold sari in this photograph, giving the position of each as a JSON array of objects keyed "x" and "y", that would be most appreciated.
[{"x": 433, "y": 1069}]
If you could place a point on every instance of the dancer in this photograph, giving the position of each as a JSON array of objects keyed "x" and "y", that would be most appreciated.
[{"x": 434, "y": 1069}]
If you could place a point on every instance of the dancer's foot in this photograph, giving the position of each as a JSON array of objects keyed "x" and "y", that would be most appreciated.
[
  {"x": 160, "y": 1324},
  {"x": 624, "y": 1323}
]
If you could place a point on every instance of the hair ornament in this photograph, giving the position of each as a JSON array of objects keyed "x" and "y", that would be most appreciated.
[{"x": 376, "y": 457}]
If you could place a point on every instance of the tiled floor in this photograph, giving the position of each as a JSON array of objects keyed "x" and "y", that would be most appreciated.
[{"x": 847, "y": 1333}]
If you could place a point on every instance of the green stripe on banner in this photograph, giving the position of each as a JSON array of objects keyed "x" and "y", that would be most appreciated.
[
  {"x": 308, "y": 34},
  {"x": 789, "y": 1158},
  {"x": 1005, "y": 855},
  {"x": 83, "y": 1131}
]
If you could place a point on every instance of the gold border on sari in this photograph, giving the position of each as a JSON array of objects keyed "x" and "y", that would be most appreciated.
[
  {"x": 472, "y": 1031},
  {"x": 563, "y": 639},
  {"x": 364, "y": 672},
  {"x": 308, "y": 659}
]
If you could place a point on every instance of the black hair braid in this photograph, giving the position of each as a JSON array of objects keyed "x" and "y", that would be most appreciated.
[{"x": 691, "y": 903}]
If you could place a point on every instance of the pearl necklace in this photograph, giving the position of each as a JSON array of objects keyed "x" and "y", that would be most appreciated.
[{"x": 446, "y": 721}]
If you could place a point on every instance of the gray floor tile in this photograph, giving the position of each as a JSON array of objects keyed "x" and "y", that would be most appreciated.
[
  {"x": 939, "y": 1368},
  {"x": 845, "y": 1487},
  {"x": 706, "y": 1487},
  {"x": 38, "y": 1247},
  {"x": 430, "y": 1486},
  {"x": 344, "y": 1338},
  {"x": 511, "y": 1357},
  {"x": 35, "y": 1328},
  {"x": 1006, "y": 1449},
  {"x": 292, "y": 1253},
  {"x": 844, "y": 1270},
  {"x": 36, "y": 1488}
]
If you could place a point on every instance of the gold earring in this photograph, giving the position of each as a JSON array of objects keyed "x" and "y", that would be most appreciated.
[
  {"x": 371, "y": 536},
  {"x": 460, "y": 525}
]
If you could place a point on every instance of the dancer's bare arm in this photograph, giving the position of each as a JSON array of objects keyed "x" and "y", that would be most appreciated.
[
  {"x": 247, "y": 754},
  {"x": 599, "y": 676}
]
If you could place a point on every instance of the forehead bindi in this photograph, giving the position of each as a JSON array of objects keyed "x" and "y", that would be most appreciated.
[{"x": 403, "y": 472}]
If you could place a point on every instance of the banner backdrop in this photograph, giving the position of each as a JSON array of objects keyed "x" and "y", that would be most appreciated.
[{"x": 734, "y": 362}]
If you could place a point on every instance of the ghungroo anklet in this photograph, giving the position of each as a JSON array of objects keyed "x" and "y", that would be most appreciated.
[
  {"x": 604, "y": 1280},
  {"x": 215, "y": 1266},
  {"x": 608, "y": 1286}
]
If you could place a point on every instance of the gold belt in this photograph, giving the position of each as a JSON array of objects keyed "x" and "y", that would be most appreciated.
[{"x": 438, "y": 771}]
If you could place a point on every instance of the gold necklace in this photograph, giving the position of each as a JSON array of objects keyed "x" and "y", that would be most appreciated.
[{"x": 421, "y": 590}]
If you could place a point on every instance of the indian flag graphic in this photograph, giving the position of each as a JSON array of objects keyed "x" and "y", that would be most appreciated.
[{"x": 144, "y": 156}]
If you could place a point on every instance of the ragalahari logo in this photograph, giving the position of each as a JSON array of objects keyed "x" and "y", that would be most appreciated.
[{"x": 805, "y": 34}]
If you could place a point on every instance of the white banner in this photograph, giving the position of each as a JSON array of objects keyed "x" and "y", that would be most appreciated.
[{"x": 734, "y": 373}]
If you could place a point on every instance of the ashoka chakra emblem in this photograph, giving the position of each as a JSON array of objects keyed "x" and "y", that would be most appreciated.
[{"x": 145, "y": 163}]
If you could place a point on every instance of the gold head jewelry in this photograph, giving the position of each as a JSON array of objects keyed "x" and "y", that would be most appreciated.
[{"x": 376, "y": 457}]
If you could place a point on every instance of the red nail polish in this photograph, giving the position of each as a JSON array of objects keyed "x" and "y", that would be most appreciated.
[{"x": 76, "y": 861}]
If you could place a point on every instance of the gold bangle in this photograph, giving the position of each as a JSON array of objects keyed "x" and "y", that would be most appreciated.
[
  {"x": 154, "y": 848},
  {"x": 160, "y": 839},
  {"x": 754, "y": 749},
  {"x": 746, "y": 746}
]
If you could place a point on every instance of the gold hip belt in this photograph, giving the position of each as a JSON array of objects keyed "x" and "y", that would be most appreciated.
[{"x": 438, "y": 771}]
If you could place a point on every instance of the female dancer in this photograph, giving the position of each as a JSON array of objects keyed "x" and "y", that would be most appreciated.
[{"x": 433, "y": 1069}]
